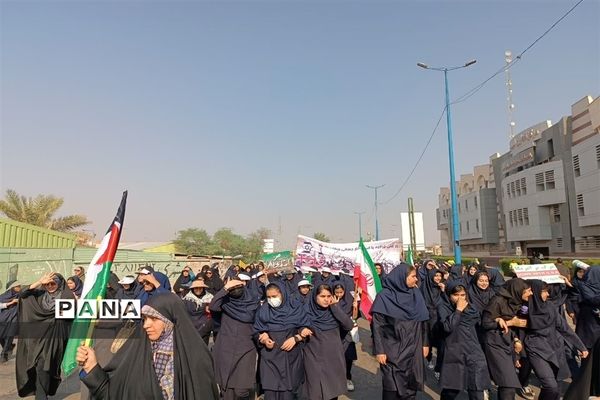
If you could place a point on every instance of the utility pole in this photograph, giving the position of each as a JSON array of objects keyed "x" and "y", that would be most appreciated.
[
  {"x": 359, "y": 213},
  {"x": 411, "y": 226},
  {"x": 376, "y": 209}
]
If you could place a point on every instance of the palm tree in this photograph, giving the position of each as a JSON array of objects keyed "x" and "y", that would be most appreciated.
[
  {"x": 321, "y": 236},
  {"x": 39, "y": 211}
]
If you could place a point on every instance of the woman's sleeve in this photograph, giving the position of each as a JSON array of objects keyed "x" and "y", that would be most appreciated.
[
  {"x": 97, "y": 381},
  {"x": 345, "y": 321},
  {"x": 451, "y": 321},
  {"x": 217, "y": 301},
  {"x": 487, "y": 322},
  {"x": 378, "y": 326},
  {"x": 566, "y": 332}
]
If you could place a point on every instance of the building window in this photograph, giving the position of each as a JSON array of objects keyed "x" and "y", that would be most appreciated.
[
  {"x": 555, "y": 211},
  {"x": 550, "y": 183},
  {"x": 598, "y": 155},
  {"x": 526, "y": 216},
  {"x": 550, "y": 149},
  {"x": 508, "y": 190},
  {"x": 520, "y": 216},
  {"x": 475, "y": 201},
  {"x": 477, "y": 224},
  {"x": 467, "y": 226},
  {"x": 518, "y": 187},
  {"x": 539, "y": 182},
  {"x": 460, "y": 227},
  {"x": 523, "y": 186},
  {"x": 467, "y": 207},
  {"x": 510, "y": 218},
  {"x": 559, "y": 242},
  {"x": 580, "y": 208},
  {"x": 459, "y": 210},
  {"x": 576, "y": 168}
]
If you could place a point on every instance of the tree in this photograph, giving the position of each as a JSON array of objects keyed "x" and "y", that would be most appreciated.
[
  {"x": 40, "y": 211},
  {"x": 321, "y": 236},
  {"x": 224, "y": 242}
]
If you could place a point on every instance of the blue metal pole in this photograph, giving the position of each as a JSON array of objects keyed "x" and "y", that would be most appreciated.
[{"x": 455, "y": 220}]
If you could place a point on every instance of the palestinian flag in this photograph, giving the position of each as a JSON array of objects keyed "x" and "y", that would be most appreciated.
[
  {"x": 94, "y": 286},
  {"x": 366, "y": 279}
]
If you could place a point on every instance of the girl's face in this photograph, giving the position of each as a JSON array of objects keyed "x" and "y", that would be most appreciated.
[
  {"x": 526, "y": 294},
  {"x": 71, "y": 284},
  {"x": 472, "y": 271},
  {"x": 339, "y": 293},
  {"x": 51, "y": 287},
  {"x": 273, "y": 293},
  {"x": 126, "y": 286},
  {"x": 304, "y": 289},
  {"x": 544, "y": 294},
  {"x": 198, "y": 291},
  {"x": 186, "y": 272},
  {"x": 437, "y": 278},
  {"x": 483, "y": 282},
  {"x": 378, "y": 269},
  {"x": 411, "y": 279},
  {"x": 458, "y": 295},
  {"x": 324, "y": 298},
  {"x": 580, "y": 273}
]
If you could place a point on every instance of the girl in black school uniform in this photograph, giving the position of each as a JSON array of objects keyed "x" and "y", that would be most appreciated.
[
  {"x": 464, "y": 365},
  {"x": 350, "y": 306},
  {"x": 500, "y": 345},
  {"x": 544, "y": 340},
  {"x": 433, "y": 287},
  {"x": 324, "y": 362},
  {"x": 279, "y": 328},
  {"x": 400, "y": 334}
]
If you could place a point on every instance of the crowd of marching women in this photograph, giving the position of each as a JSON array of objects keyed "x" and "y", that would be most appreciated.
[{"x": 292, "y": 334}]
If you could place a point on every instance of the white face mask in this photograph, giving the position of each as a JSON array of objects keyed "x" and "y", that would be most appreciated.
[{"x": 274, "y": 301}]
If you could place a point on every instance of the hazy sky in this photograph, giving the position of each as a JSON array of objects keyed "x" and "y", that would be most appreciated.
[{"x": 244, "y": 114}]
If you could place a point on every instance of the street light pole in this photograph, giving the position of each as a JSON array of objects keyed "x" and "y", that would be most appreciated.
[
  {"x": 359, "y": 213},
  {"x": 453, "y": 194},
  {"x": 376, "y": 209}
]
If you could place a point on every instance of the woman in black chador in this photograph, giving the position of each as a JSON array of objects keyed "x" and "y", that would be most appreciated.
[
  {"x": 169, "y": 361},
  {"x": 324, "y": 361},
  {"x": 400, "y": 333},
  {"x": 42, "y": 338},
  {"x": 464, "y": 366},
  {"x": 279, "y": 328},
  {"x": 235, "y": 350},
  {"x": 501, "y": 344}
]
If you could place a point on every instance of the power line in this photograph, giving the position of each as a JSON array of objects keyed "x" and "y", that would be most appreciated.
[
  {"x": 418, "y": 160},
  {"x": 477, "y": 88},
  {"x": 505, "y": 67}
]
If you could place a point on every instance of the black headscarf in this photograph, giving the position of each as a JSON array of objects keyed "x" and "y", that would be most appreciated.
[
  {"x": 397, "y": 300},
  {"x": 320, "y": 317},
  {"x": 290, "y": 314},
  {"x": 213, "y": 282},
  {"x": 42, "y": 338},
  {"x": 457, "y": 273},
  {"x": 242, "y": 309},
  {"x": 479, "y": 298},
  {"x": 346, "y": 303},
  {"x": 511, "y": 299},
  {"x": 431, "y": 291},
  {"x": 78, "y": 285},
  {"x": 131, "y": 371},
  {"x": 183, "y": 281},
  {"x": 542, "y": 314},
  {"x": 469, "y": 315},
  {"x": 113, "y": 286},
  {"x": 496, "y": 279},
  {"x": 257, "y": 288},
  {"x": 589, "y": 286}
]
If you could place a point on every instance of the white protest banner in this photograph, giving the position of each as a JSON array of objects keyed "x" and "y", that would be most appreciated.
[
  {"x": 545, "y": 272},
  {"x": 337, "y": 256}
]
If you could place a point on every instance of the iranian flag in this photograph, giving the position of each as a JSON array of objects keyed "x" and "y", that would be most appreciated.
[
  {"x": 94, "y": 286},
  {"x": 366, "y": 279}
]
